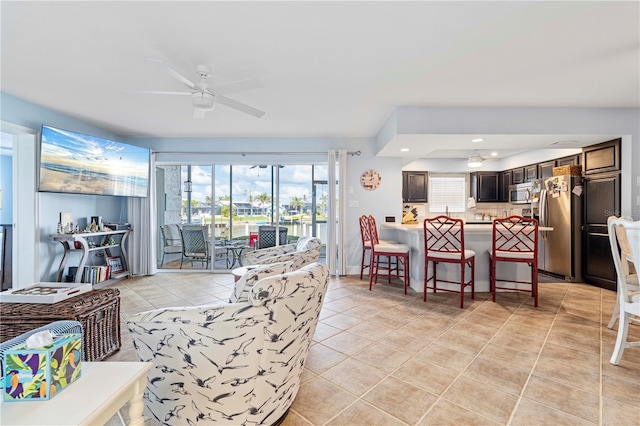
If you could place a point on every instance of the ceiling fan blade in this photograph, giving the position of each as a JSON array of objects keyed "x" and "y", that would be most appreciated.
[
  {"x": 158, "y": 92},
  {"x": 199, "y": 112},
  {"x": 236, "y": 86},
  {"x": 239, "y": 106},
  {"x": 175, "y": 74}
]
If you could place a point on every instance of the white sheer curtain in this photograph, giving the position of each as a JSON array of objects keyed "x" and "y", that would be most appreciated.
[
  {"x": 142, "y": 217},
  {"x": 336, "y": 226},
  {"x": 331, "y": 215},
  {"x": 342, "y": 212}
]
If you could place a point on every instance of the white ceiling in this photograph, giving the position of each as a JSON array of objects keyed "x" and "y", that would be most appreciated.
[{"x": 327, "y": 69}]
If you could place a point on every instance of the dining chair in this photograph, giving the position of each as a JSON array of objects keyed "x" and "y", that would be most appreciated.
[
  {"x": 514, "y": 239},
  {"x": 444, "y": 243},
  {"x": 393, "y": 252},
  {"x": 195, "y": 244},
  {"x": 628, "y": 297},
  {"x": 631, "y": 277}
]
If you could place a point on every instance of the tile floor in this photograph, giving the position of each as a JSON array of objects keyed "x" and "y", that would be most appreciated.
[{"x": 384, "y": 358}]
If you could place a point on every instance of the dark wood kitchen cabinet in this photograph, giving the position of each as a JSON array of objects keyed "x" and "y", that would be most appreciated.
[
  {"x": 545, "y": 170},
  {"x": 414, "y": 187},
  {"x": 602, "y": 158},
  {"x": 483, "y": 186},
  {"x": 531, "y": 173},
  {"x": 518, "y": 175},
  {"x": 506, "y": 180},
  {"x": 568, "y": 161}
]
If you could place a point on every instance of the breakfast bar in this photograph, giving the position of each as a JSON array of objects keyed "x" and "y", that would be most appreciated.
[{"x": 477, "y": 238}]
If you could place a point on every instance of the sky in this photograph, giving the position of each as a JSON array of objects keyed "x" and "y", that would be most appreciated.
[{"x": 295, "y": 181}]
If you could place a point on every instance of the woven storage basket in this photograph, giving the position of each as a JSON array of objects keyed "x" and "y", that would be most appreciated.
[
  {"x": 573, "y": 170},
  {"x": 98, "y": 311}
]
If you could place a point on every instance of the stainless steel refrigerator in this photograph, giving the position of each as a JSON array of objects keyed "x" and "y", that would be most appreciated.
[{"x": 560, "y": 207}]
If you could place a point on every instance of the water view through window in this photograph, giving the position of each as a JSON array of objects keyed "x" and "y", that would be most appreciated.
[{"x": 232, "y": 203}]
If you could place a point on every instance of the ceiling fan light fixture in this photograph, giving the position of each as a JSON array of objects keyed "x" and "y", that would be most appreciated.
[
  {"x": 474, "y": 161},
  {"x": 203, "y": 100}
]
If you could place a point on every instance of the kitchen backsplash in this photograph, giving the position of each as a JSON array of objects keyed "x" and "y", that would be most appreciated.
[{"x": 483, "y": 211}]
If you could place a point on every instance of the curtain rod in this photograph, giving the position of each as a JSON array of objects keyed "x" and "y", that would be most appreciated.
[{"x": 244, "y": 154}]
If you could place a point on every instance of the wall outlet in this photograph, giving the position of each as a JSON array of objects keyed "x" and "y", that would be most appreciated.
[
  {"x": 350, "y": 189},
  {"x": 354, "y": 203}
]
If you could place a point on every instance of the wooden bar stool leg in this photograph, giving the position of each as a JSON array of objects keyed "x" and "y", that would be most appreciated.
[
  {"x": 426, "y": 279},
  {"x": 473, "y": 277},
  {"x": 534, "y": 284},
  {"x": 372, "y": 270},
  {"x": 407, "y": 274},
  {"x": 435, "y": 276},
  {"x": 463, "y": 266}
]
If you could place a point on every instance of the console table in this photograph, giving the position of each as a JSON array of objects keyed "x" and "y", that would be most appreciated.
[
  {"x": 87, "y": 242},
  {"x": 102, "y": 389}
]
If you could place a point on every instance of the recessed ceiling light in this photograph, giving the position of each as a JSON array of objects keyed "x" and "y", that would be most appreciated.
[
  {"x": 404, "y": 149},
  {"x": 476, "y": 140},
  {"x": 494, "y": 154}
]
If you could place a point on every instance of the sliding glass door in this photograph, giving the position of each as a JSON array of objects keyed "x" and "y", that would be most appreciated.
[{"x": 233, "y": 202}]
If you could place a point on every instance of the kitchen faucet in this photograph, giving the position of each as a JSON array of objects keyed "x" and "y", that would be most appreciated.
[{"x": 446, "y": 210}]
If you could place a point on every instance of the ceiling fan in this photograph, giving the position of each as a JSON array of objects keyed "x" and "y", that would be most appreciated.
[{"x": 203, "y": 97}]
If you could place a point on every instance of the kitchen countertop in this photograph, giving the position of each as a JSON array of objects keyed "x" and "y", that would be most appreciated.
[
  {"x": 477, "y": 238},
  {"x": 468, "y": 227}
]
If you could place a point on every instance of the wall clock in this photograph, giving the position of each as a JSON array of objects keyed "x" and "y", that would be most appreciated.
[{"x": 370, "y": 180}]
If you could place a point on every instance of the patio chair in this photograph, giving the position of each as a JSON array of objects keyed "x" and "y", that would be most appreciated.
[
  {"x": 267, "y": 236},
  {"x": 172, "y": 243}
]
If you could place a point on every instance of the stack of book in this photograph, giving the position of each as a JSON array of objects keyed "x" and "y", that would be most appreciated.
[{"x": 95, "y": 274}]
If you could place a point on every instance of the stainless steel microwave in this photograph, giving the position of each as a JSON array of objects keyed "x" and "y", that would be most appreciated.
[{"x": 520, "y": 193}]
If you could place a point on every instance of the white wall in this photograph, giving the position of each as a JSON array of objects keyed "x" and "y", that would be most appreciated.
[{"x": 386, "y": 200}]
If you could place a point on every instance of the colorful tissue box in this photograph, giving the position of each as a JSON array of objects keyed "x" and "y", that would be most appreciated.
[{"x": 40, "y": 373}]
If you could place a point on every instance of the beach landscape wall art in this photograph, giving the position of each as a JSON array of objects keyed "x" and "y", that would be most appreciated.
[{"x": 81, "y": 164}]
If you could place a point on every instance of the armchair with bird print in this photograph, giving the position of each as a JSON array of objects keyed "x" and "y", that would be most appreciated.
[
  {"x": 303, "y": 252},
  {"x": 231, "y": 363}
]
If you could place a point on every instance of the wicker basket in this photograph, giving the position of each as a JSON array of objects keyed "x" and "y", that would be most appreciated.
[
  {"x": 98, "y": 311},
  {"x": 572, "y": 169}
]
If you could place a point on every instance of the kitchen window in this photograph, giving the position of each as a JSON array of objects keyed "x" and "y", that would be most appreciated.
[{"x": 447, "y": 191}]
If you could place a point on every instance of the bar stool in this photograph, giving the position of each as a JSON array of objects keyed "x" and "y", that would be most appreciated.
[
  {"x": 514, "y": 239},
  {"x": 444, "y": 242},
  {"x": 393, "y": 251},
  {"x": 365, "y": 237}
]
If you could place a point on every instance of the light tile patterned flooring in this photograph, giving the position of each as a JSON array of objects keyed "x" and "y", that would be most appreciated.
[{"x": 384, "y": 358}]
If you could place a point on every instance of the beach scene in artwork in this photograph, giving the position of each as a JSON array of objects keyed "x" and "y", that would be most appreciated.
[{"x": 82, "y": 164}]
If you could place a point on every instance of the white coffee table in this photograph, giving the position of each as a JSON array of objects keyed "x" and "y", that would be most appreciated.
[{"x": 93, "y": 399}]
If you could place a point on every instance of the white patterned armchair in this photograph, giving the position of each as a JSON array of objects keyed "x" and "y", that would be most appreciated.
[
  {"x": 231, "y": 363},
  {"x": 305, "y": 251}
]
